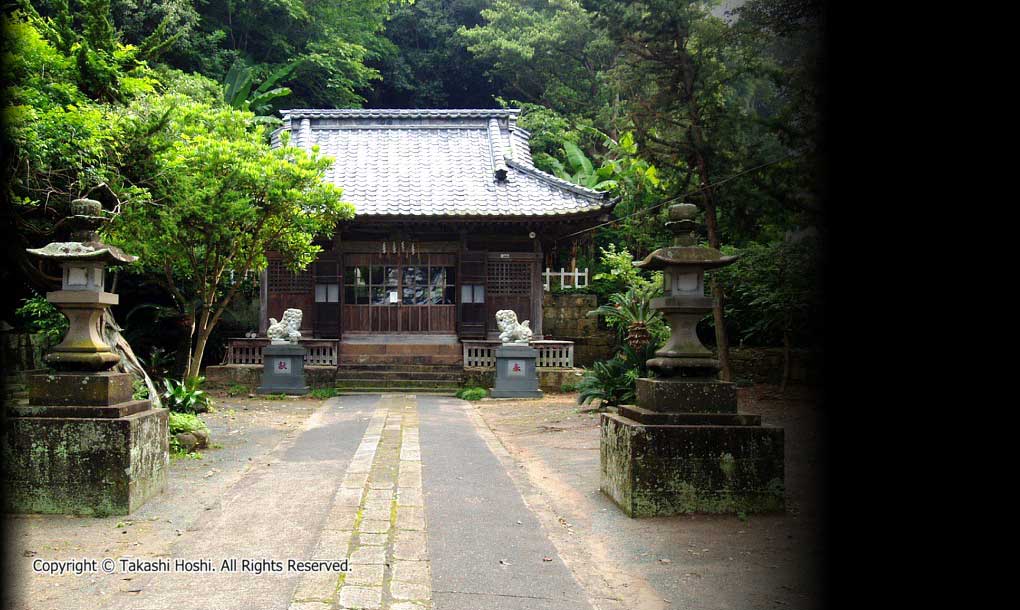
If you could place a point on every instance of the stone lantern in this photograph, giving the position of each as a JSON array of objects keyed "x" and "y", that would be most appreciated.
[
  {"x": 82, "y": 296},
  {"x": 684, "y": 447},
  {"x": 83, "y": 444}
]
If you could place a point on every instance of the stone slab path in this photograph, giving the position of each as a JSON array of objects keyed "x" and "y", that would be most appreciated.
[{"x": 410, "y": 488}]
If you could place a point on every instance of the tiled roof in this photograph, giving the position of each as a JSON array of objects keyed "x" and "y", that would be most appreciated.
[{"x": 436, "y": 163}]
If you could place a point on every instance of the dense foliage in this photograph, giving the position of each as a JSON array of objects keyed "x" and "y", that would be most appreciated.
[{"x": 159, "y": 109}]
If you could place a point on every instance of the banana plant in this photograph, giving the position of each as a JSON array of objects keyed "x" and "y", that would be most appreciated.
[
  {"x": 582, "y": 171},
  {"x": 237, "y": 88}
]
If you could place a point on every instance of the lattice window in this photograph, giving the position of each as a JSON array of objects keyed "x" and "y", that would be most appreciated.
[
  {"x": 509, "y": 278},
  {"x": 281, "y": 280}
]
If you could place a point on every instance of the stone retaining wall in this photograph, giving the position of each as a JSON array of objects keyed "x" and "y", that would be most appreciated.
[
  {"x": 224, "y": 376},
  {"x": 549, "y": 380},
  {"x": 565, "y": 317},
  {"x": 765, "y": 365}
]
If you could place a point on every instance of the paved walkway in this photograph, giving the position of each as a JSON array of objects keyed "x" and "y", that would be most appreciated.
[{"x": 408, "y": 487}]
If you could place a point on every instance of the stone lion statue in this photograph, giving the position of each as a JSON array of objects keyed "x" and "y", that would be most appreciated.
[
  {"x": 287, "y": 329},
  {"x": 509, "y": 330}
]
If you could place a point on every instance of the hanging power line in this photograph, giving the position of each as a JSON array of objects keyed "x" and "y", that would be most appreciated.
[{"x": 684, "y": 195}]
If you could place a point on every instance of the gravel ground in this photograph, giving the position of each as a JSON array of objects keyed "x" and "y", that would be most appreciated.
[
  {"x": 693, "y": 561},
  {"x": 242, "y": 431}
]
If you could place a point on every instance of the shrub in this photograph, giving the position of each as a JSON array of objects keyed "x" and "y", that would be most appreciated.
[
  {"x": 237, "y": 389},
  {"x": 472, "y": 393},
  {"x": 139, "y": 391},
  {"x": 569, "y": 386},
  {"x": 185, "y": 422},
  {"x": 611, "y": 381},
  {"x": 614, "y": 381},
  {"x": 185, "y": 396},
  {"x": 180, "y": 423},
  {"x": 324, "y": 393},
  {"x": 40, "y": 316}
]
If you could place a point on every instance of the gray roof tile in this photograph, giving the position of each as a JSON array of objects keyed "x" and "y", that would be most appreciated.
[{"x": 435, "y": 163}]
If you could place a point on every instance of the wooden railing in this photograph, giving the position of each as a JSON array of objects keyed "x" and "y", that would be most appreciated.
[
  {"x": 574, "y": 276},
  {"x": 319, "y": 352},
  {"x": 551, "y": 354}
]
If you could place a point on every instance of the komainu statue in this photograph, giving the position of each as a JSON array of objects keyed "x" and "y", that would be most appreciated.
[
  {"x": 509, "y": 330},
  {"x": 287, "y": 329}
]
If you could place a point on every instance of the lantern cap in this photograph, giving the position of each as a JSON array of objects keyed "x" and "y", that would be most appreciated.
[{"x": 69, "y": 251}]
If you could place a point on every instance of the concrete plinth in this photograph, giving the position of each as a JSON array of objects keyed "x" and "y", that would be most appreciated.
[
  {"x": 516, "y": 373},
  {"x": 651, "y": 470},
  {"x": 83, "y": 451},
  {"x": 687, "y": 396},
  {"x": 684, "y": 448},
  {"x": 283, "y": 370}
]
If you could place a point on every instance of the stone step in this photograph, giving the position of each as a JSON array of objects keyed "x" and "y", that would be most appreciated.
[
  {"x": 350, "y": 384},
  {"x": 346, "y": 359},
  {"x": 385, "y": 373},
  {"x": 401, "y": 349},
  {"x": 403, "y": 368},
  {"x": 364, "y": 391}
]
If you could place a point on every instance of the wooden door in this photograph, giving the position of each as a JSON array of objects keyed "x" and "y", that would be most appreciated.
[
  {"x": 472, "y": 294},
  {"x": 508, "y": 285},
  {"x": 327, "y": 299},
  {"x": 400, "y": 293}
]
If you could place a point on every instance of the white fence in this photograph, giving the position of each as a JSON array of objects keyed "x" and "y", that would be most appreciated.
[
  {"x": 575, "y": 278},
  {"x": 551, "y": 354},
  {"x": 318, "y": 352}
]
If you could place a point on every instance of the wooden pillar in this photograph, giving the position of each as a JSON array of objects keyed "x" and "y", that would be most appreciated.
[{"x": 537, "y": 290}]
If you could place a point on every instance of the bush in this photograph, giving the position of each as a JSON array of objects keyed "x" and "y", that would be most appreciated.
[
  {"x": 181, "y": 423},
  {"x": 472, "y": 393},
  {"x": 139, "y": 391},
  {"x": 611, "y": 382},
  {"x": 185, "y": 422},
  {"x": 38, "y": 315},
  {"x": 614, "y": 381},
  {"x": 324, "y": 393},
  {"x": 237, "y": 389},
  {"x": 185, "y": 396}
]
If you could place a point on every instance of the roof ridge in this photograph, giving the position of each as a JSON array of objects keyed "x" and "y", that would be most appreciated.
[
  {"x": 497, "y": 150},
  {"x": 401, "y": 112},
  {"x": 560, "y": 182}
]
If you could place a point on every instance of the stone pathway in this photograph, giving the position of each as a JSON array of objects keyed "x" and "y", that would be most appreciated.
[
  {"x": 378, "y": 519},
  {"x": 362, "y": 480}
]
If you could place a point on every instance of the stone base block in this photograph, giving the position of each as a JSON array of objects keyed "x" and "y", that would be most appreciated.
[
  {"x": 85, "y": 466},
  {"x": 685, "y": 395},
  {"x": 516, "y": 373},
  {"x": 84, "y": 389},
  {"x": 283, "y": 370},
  {"x": 651, "y": 470}
]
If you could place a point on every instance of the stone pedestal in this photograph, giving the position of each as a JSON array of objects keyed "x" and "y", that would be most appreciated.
[
  {"x": 83, "y": 446},
  {"x": 283, "y": 370},
  {"x": 516, "y": 373},
  {"x": 685, "y": 449}
]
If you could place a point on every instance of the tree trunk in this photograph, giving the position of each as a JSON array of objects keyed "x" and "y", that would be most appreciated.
[
  {"x": 786, "y": 362},
  {"x": 718, "y": 294},
  {"x": 194, "y": 367},
  {"x": 721, "y": 340},
  {"x": 129, "y": 362}
]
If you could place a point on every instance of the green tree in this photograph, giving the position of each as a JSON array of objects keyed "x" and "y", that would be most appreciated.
[
  {"x": 546, "y": 52},
  {"x": 775, "y": 294},
  {"x": 64, "y": 83},
  {"x": 430, "y": 66},
  {"x": 679, "y": 72},
  {"x": 333, "y": 40},
  {"x": 221, "y": 199}
]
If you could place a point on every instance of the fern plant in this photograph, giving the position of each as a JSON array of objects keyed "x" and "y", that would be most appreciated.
[
  {"x": 185, "y": 396},
  {"x": 611, "y": 382}
]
